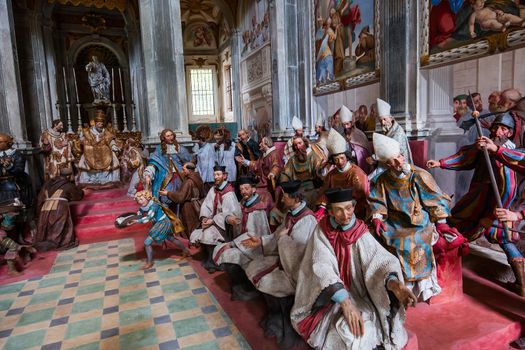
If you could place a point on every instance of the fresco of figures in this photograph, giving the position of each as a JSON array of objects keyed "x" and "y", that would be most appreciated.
[
  {"x": 256, "y": 31},
  {"x": 466, "y": 29},
  {"x": 344, "y": 39},
  {"x": 200, "y": 36}
]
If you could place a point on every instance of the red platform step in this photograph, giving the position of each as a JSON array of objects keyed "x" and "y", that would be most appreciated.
[
  {"x": 88, "y": 207},
  {"x": 461, "y": 325},
  {"x": 95, "y": 214},
  {"x": 104, "y": 216},
  {"x": 90, "y": 194}
]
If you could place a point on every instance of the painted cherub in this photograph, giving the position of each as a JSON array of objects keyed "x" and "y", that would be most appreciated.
[{"x": 491, "y": 19}]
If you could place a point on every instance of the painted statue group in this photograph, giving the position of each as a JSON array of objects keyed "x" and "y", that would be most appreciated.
[{"x": 337, "y": 235}]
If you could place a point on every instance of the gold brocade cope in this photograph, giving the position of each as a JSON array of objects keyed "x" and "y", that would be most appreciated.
[
  {"x": 109, "y": 4},
  {"x": 178, "y": 227},
  {"x": 98, "y": 155}
]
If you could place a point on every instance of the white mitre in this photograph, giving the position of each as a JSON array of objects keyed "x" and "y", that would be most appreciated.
[
  {"x": 297, "y": 124},
  {"x": 385, "y": 148},
  {"x": 335, "y": 143},
  {"x": 383, "y": 108},
  {"x": 345, "y": 114},
  {"x": 320, "y": 120}
]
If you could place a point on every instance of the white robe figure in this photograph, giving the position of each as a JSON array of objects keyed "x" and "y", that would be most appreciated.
[
  {"x": 275, "y": 273},
  {"x": 371, "y": 266},
  {"x": 229, "y": 205},
  {"x": 227, "y": 158},
  {"x": 205, "y": 161},
  {"x": 256, "y": 225}
]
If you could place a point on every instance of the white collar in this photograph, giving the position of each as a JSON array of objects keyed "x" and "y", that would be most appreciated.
[
  {"x": 54, "y": 133},
  {"x": 8, "y": 152},
  {"x": 170, "y": 149},
  {"x": 269, "y": 150},
  {"x": 296, "y": 211},
  {"x": 345, "y": 168},
  {"x": 509, "y": 144},
  {"x": 96, "y": 132}
]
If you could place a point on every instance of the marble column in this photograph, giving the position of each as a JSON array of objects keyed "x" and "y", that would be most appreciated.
[
  {"x": 12, "y": 120},
  {"x": 400, "y": 76},
  {"x": 162, "y": 49},
  {"x": 137, "y": 93},
  {"x": 236, "y": 47},
  {"x": 304, "y": 44},
  {"x": 49, "y": 48},
  {"x": 43, "y": 105},
  {"x": 285, "y": 81}
]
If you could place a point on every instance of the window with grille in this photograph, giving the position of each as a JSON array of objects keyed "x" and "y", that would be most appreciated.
[
  {"x": 202, "y": 92},
  {"x": 228, "y": 86}
]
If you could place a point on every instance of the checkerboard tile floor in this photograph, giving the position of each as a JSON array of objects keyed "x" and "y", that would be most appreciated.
[{"x": 97, "y": 297}]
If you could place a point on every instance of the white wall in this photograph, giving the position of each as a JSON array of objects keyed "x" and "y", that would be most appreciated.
[{"x": 496, "y": 72}]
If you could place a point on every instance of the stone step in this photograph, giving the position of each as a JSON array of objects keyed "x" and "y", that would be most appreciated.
[
  {"x": 90, "y": 207},
  {"x": 500, "y": 297},
  {"x": 90, "y": 194},
  {"x": 104, "y": 216},
  {"x": 462, "y": 324}
]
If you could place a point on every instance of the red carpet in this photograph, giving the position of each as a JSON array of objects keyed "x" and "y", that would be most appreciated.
[
  {"x": 39, "y": 266},
  {"x": 489, "y": 318}
]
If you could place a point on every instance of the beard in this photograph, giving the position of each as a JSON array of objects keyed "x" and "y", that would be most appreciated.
[
  {"x": 247, "y": 196},
  {"x": 405, "y": 168},
  {"x": 218, "y": 182},
  {"x": 497, "y": 108},
  {"x": 301, "y": 154},
  {"x": 386, "y": 128},
  {"x": 462, "y": 111},
  {"x": 493, "y": 107},
  {"x": 500, "y": 141}
]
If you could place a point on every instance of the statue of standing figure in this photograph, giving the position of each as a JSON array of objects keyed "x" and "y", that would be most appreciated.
[{"x": 100, "y": 81}]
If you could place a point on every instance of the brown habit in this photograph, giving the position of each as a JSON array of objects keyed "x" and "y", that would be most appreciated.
[
  {"x": 191, "y": 188},
  {"x": 55, "y": 226}
]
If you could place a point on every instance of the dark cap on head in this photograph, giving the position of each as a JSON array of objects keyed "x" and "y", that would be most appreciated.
[
  {"x": 339, "y": 195},
  {"x": 291, "y": 187},
  {"x": 250, "y": 180},
  {"x": 219, "y": 168}
]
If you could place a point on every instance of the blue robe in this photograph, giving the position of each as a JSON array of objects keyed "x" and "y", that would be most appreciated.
[
  {"x": 166, "y": 178},
  {"x": 409, "y": 207}
]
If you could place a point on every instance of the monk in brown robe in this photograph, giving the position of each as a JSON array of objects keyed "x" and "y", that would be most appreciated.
[
  {"x": 55, "y": 226},
  {"x": 189, "y": 196}
]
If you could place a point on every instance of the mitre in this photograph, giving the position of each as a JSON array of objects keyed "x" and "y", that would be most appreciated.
[
  {"x": 320, "y": 120},
  {"x": 383, "y": 108},
  {"x": 297, "y": 124},
  {"x": 345, "y": 114},
  {"x": 335, "y": 143},
  {"x": 385, "y": 147}
]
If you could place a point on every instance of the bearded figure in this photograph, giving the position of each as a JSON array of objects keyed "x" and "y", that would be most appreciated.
[
  {"x": 56, "y": 149},
  {"x": 165, "y": 166},
  {"x": 474, "y": 214},
  {"x": 303, "y": 166}
]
